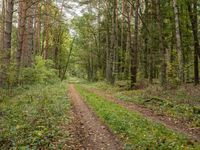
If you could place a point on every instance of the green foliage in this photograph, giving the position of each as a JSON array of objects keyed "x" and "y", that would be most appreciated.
[
  {"x": 11, "y": 74},
  {"x": 179, "y": 103},
  {"x": 44, "y": 70},
  {"x": 86, "y": 46},
  {"x": 34, "y": 119},
  {"x": 172, "y": 68},
  {"x": 41, "y": 72},
  {"x": 137, "y": 131}
]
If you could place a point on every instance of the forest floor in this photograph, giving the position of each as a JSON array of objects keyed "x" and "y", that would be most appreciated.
[
  {"x": 88, "y": 129},
  {"x": 172, "y": 123},
  {"x": 100, "y": 113},
  {"x": 98, "y": 116},
  {"x": 36, "y": 117}
]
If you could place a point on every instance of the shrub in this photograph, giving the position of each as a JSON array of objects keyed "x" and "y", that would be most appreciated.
[
  {"x": 44, "y": 70},
  {"x": 41, "y": 72}
]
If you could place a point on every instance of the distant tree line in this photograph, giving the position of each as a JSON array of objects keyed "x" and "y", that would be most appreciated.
[{"x": 134, "y": 40}]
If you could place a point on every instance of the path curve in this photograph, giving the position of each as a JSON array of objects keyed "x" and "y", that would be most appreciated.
[{"x": 95, "y": 135}]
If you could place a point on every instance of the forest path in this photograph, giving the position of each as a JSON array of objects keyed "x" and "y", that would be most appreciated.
[
  {"x": 169, "y": 122},
  {"x": 90, "y": 131}
]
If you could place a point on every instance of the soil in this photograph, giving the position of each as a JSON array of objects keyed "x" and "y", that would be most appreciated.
[
  {"x": 87, "y": 129},
  {"x": 169, "y": 122}
]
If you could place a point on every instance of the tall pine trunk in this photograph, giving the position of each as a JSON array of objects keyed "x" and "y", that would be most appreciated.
[
  {"x": 21, "y": 35},
  {"x": 27, "y": 53},
  {"x": 134, "y": 52},
  {"x": 114, "y": 42},
  {"x": 108, "y": 47},
  {"x": 47, "y": 28},
  {"x": 37, "y": 29},
  {"x": 6, "y": 48},
  {"x": 161, "y": 44},
  {"x": 178, "y": 43},
  {"x": 2, "y": 24},
  {"x": 129, "y": 12},
  {"x": 194, "y": 21},
  {"x": 146, "y": 41}
]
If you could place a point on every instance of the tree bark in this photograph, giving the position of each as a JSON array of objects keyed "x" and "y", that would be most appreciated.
[
  {"x": 161, "y": 44},
  {"x": 68, "y": 59},
  {"x": 2, "y": 24},
  {"x": 114, "y": 42},
  {"x": 37, "y": 29},
  {"x": 146, "y": 41},
  {"x": 47, "y": 27},
  {"x": 121, "y": 64},
  {"x": 27, "y": 54},
  {"x": 194, "y": 21},
  {"x": 7, "y": 32},
  {"x": 109, "y": 51},
  {"x": 178, "y": 43},
  {"x": 21, "y": 35},
  {"x": 134, "y": 52},
  {"x": 129, "y": 12}
]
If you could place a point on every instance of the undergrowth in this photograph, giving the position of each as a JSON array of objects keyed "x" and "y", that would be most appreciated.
[
  {"x": 34, "y": 119},
  {"x": 135, "y": 130},
  {"x": 181, "y": 103}
]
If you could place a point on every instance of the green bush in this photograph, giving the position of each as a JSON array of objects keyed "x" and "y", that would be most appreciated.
[
  {"x": 41, "y": 72},
  {"x": 44, "y": 71}
]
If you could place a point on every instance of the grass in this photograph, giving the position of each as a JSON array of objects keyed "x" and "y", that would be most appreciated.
[
  {"x": 135, "y": 130},
  {"x": 34, "y": 119},
  {"x": 182, "y": 103}
]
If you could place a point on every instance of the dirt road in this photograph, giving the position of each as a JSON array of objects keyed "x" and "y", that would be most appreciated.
[
  {"x": 91, "y": 133},
  {"x": 172, "y": 123}
]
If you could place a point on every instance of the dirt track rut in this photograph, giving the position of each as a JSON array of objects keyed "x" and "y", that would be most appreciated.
[
  {"x": 172, "y": 123},
  {"x": 93, "y": 134}
]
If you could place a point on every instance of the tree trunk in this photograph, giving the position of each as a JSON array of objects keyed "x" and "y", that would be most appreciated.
[
  {"x": 37, "y": 29},
  {"x": 178, "y": 43},
  {"x": 161, "y": 44},
  {"x": 2, "y": 72},
  {"x": 21, "y": 35},
  {"x": 68, "y": 59},
  {"x": 114, "y": 43},
  {"x": 6, "y": 51},
  {"x": 47, "y": 27},
  {"x": 2, "y": 23},
  {"x": 129, "y": 12},
  {"x": 146, "y": 41},
  {"x": 27, "y": 52},
  {"x": 121, "y": 63},
  {"x": 194, "y": 21},
  {"x": 134, "y": 52},
  {"x": 116, "y": 70},
  {"x": 109, "y": 51}
]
